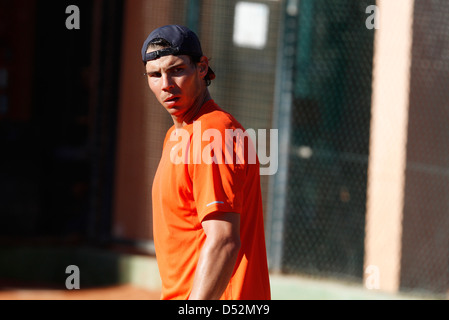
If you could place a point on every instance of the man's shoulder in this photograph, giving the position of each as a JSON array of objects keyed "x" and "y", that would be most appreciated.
[{"x": 217, "y": 118}]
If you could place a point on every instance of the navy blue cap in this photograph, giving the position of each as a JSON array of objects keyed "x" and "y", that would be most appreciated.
[{"x": 183, "y": 42}]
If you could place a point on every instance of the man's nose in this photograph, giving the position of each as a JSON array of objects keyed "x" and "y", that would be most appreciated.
[{"x": 167, "y": 82}]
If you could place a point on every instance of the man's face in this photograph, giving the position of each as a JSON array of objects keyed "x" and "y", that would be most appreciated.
[{"x": 176, "y": 82}]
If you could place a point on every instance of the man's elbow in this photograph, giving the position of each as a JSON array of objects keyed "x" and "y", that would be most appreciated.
[
  {"x": 233, "y": 245},
  {"x": 230, "y": 244}
]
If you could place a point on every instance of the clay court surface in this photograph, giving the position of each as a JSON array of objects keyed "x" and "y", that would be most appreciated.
[{"x": 122, "y": 292}]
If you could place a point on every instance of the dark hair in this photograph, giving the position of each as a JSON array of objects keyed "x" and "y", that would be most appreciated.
[
  {"x": 162, "y": 43},
  {"x": 159, "y": 42}
]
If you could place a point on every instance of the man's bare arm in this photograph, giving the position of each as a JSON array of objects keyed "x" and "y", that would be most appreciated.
[{"x": 218, "y": 256}]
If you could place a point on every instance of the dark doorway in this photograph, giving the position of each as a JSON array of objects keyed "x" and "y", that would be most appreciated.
[{"x": 57, "y": 146}]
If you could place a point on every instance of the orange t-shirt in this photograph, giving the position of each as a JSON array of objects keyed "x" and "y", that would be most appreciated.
[{"x": 195, "y": 178}]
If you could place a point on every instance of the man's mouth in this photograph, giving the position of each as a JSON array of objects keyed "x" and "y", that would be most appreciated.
[{"x": 171, "y": 100}]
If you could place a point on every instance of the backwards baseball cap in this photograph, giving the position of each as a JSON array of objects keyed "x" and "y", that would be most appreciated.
[{"x": 183, "y": 41}]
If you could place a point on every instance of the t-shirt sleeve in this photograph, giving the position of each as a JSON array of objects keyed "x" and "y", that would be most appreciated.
[{"x": 217, "y": 181}]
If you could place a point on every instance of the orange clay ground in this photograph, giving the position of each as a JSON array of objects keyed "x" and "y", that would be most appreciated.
[{"x": 121, "y": 292}]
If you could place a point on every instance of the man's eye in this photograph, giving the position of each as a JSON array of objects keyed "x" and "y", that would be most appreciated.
[{"x": 153, "y": 74}]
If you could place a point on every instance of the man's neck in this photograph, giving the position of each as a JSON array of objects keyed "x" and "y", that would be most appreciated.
[{"x": 193, "y": 111}]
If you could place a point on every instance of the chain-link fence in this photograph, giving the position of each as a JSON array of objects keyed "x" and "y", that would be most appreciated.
[
  {"x": 425, "y": 225},
  {"x": 331, "y": 52},
  {"x": 325, "y": 203}
]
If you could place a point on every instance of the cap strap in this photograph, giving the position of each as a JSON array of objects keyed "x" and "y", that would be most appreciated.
[{"x": 161, "y": 53}]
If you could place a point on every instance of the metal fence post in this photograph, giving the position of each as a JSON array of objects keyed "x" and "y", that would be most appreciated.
[
  {"x": 281, "y": 120},
  {"x": 193, "y": 11}
]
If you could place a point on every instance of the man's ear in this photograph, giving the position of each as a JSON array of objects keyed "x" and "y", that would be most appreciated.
[{"x": 203, "y": 66}]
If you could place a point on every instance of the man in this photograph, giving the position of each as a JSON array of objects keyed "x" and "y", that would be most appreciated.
[{"x": 207, "y": 205}]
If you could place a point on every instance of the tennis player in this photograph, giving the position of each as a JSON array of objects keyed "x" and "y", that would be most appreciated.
[{"x": 207, "y": 213}]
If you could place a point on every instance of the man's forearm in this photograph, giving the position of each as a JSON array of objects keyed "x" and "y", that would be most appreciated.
[{"x": 214, "y": 269}]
